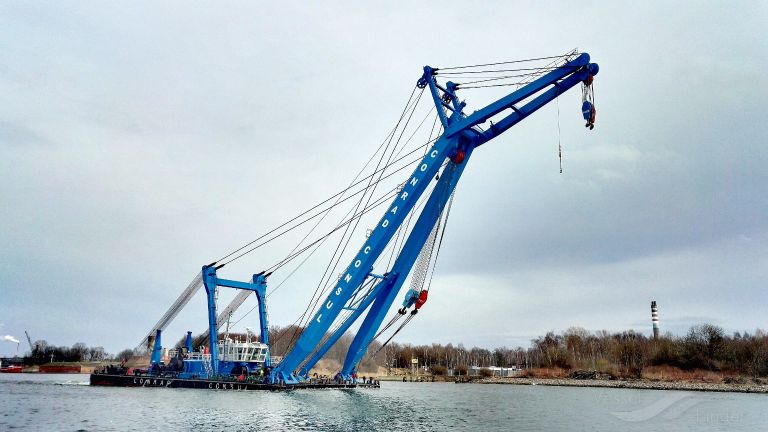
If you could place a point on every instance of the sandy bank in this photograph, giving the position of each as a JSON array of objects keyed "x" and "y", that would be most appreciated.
[{"x": 632, "y": 384}]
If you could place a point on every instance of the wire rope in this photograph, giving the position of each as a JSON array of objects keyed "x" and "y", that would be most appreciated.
[
  {"x": 338, "y": 253},
  {"x": 570, "y": 53},
  {"x": 392, "y": 132}
]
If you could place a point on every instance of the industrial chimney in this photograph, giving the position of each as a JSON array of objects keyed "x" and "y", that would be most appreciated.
[{"x": 655, "y": 319}]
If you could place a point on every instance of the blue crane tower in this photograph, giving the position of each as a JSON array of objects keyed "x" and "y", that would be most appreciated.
[{"x": 360, "y": 291}]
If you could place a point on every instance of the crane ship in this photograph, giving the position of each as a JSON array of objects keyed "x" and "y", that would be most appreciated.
[{"x": 412, "y": 227}]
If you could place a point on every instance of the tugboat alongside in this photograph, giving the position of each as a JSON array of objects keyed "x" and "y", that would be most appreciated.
[{"x": 10, "y": 368}]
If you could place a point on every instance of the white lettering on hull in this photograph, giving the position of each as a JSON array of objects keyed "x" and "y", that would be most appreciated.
[
  {"x": 145, "y": 382},
  {"x": 384, "y": 224}
]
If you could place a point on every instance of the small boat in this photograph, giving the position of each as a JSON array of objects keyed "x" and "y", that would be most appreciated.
[{"x": 10, "y": 369}]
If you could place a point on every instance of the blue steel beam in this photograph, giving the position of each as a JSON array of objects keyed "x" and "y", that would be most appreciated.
[
  {"x": 385, "y": 285},
  {"x": 358, "y": 269},
  {"x": 460, "y": 138},
  {"x": 261, "y": 296},
  {"x": 576, "y": 71},
  {"x": 529, "y": 108},
  {"x": 428, "y": 79},
  {"x": 429, "y": 216},
  {"x": 156, "y": 348},
  {"x": 211, "y": 282},
  {"x": 309, "y": 364},
  {"x": 188, "y": 342},
  {"x": 507, "y": 102}
]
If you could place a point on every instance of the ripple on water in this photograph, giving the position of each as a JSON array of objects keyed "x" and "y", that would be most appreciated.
[{"x": 49, "y": 405}]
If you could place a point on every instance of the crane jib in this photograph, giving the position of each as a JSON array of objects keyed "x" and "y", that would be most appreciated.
[
  {"x": 459, "y": 136},
  {"x": 462, "y": 134},
  {"x": 362, "y": 264}
]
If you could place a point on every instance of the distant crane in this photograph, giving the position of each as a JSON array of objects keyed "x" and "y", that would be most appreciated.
[{"x": 29, "y": 341}]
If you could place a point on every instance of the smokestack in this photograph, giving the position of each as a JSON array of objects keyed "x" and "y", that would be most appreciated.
[
  {"x": 188, "y": 342},
  {"x": 655, "y": 319},
  {"x": 156, "y": 349}
]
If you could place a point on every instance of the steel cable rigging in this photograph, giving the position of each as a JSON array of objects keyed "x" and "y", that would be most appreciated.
[
  {"x": 370, "y": 283},
  {"x": 352, "y": 293},
  {"x": 572, "y": 52},
  {"x": 393, "y": 246},
  {"x": 338, "y": 253},
  {"x": 382, "y": 199},
  {"x": 418, "y": 278},
  {"x": 338, "y": 194},
  {"x": 409, "y": 108},
  {"x": 328, "y": 285},
  {"x": 528, "y": 74}
]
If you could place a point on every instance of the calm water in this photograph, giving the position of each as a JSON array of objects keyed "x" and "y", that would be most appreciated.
[{"x": 67, "y": 402}]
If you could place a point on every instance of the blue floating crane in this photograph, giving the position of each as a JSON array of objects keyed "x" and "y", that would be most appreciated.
[
  {"x": 461, "y": 137},
  {"x": 362, "y": 293}
]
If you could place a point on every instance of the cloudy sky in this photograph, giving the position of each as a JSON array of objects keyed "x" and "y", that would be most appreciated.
[{"x": 140, "y": 142}]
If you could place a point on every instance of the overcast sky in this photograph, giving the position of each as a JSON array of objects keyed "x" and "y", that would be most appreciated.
[{"x": 140, "y": 142}]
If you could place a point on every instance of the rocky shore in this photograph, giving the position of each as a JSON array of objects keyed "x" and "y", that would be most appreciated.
[{"x": 631, "y": 384}]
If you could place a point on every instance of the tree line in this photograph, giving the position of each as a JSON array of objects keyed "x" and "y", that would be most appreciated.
[
  {"x": 42, "y": 352},
  {"x": 627, "y": 353}
]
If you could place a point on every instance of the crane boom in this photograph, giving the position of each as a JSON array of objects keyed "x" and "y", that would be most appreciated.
[
  {"x": 29, "y": 341},
  {"x": 463, "y": 133}
]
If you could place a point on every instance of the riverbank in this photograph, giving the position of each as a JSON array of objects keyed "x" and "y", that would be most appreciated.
[
  {"x": 631, "y": 384},
  {"x": 66, "y": 367}
]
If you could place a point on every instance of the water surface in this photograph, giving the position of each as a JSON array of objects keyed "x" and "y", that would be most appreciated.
[{"x": 67, "y": 402}]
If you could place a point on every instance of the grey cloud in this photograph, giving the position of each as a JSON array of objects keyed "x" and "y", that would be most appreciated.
[{"x": 141, "y": 141}]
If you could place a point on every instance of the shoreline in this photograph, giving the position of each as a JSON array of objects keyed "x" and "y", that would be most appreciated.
[{"x": 630, "y": 384}]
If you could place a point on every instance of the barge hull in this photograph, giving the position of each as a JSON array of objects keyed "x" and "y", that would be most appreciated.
[{"x": 169, "y": 382}]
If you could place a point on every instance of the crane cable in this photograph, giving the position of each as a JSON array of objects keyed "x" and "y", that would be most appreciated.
[
  {"x": 425, "y": 146},
  {"x": 395, "y": 250},
  {"x": 537, "y": 70},
  {"x": 389, "y": 136},
  {"x": 402, "y": 326},
  {"x": 341, "y": 319},
  {"x": 368, "y": 286},
  {"x": 572, "y": 52},
  {"x": 317, "y": 243},
  {"x": 559, "y": 146},
  {"x": 412, "y": 315},
  {"x": 414, "y": 277},
  {"x": 530, "y": 74},
  {"x": 338, "y": 194},
  {"x": 338, "y": 253},
  {"x": 394, "y": 130}
]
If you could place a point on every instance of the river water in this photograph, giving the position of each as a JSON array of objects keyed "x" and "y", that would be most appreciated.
[{"x": 67, "y": 402}]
